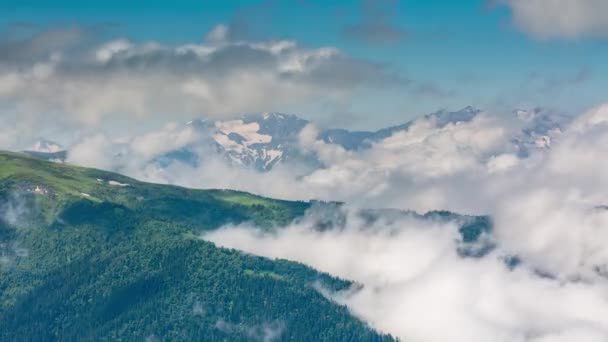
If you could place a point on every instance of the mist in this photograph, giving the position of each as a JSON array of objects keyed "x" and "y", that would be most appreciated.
[{"x": 411, "y": 281}]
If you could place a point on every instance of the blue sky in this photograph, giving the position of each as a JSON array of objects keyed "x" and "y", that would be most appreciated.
[{"x": 459, "y": 53}]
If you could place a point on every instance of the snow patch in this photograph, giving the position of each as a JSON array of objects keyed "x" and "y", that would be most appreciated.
[
  {"x": 115, "y": 183},
  {"x": 228, "y": 143},
  {"x": 271, "y": 155},
  {"x": 249, "y": 131}
]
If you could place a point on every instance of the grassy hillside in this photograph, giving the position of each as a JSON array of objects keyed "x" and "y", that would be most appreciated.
[{"x": 92, "y": 255}]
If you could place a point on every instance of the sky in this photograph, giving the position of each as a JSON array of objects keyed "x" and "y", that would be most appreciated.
[{"x": 496, "y": 55}]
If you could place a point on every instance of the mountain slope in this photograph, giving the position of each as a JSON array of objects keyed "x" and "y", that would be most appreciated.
[
  {"x": 263, "y": 141},
  {"x": 92, "y": 255}
]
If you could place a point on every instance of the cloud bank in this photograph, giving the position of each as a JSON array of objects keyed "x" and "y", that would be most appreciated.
[
  {"x": 69, "y": 79},
  {"x": 548, "y": 210},
  {"x": 414, "y": 285},
  {"x": 547, "y": 19}
]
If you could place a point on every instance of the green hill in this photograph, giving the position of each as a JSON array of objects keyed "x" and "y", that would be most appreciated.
[{"x": 92, "y": 255}]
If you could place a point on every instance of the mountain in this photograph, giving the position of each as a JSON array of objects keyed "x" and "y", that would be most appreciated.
[
  {"x": 92, "y": 255},
  {"x": 257, "y": 140},
  {"x": 357, "y": 140},
  {"x": 263, "y": 141},
  {"x": 540, "y": 127}
]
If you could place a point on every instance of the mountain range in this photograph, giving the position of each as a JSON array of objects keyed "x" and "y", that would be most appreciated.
[{"x": 263, "y": 141}]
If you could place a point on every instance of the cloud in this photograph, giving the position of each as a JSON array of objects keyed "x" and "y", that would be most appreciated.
[
  {"x": 94, "y": 151},
  {"x": 376, "y": 25},
  {"x": 18, "y": 211},
  {"x": 567, "y": 19},
  {"x": 64, "y": 78},
  {"x": 15, "y": 209},
  {"x": 266, "y": 332},
  {"x": 22, "y": 48},
  {"x": 415, "y": 285}
]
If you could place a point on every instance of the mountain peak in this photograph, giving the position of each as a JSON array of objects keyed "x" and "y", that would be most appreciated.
[
  {"x": 270, "y": 116},
  {"x": 444, "y": 117}
]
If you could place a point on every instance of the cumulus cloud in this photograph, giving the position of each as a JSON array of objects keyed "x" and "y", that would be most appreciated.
[
  {"x": 63, "y": 78},
  {"x": 407, "y": 169},
  {"x": 568, "y": 19}
]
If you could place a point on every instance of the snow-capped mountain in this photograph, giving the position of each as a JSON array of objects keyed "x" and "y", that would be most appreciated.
[
  {"x": 259, "y": 140},
  {"x": 539, "y": 129},
  {"x": 263, "y": 141},
  {"x": 255, "y": 140}
]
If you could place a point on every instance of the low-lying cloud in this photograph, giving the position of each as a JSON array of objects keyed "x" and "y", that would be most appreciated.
[
  {"x": 266, "y": 332},
  {"x": 416, "y": 286},
  {"x": 548, "y": 208}
]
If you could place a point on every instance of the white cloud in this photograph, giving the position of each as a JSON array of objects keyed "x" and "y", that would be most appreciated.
[
  {"x": 96, "y": 151},
  {"x": 218, "y": 35},
  {"x": 100, "y": 85},
  {"x": 170, "y": 139},
  {"x": 502, "y": 162},
  {"x": 105, "y": 52},
  {"x": 415, "y": 285},
  {"x": 560, "y": 18}
]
